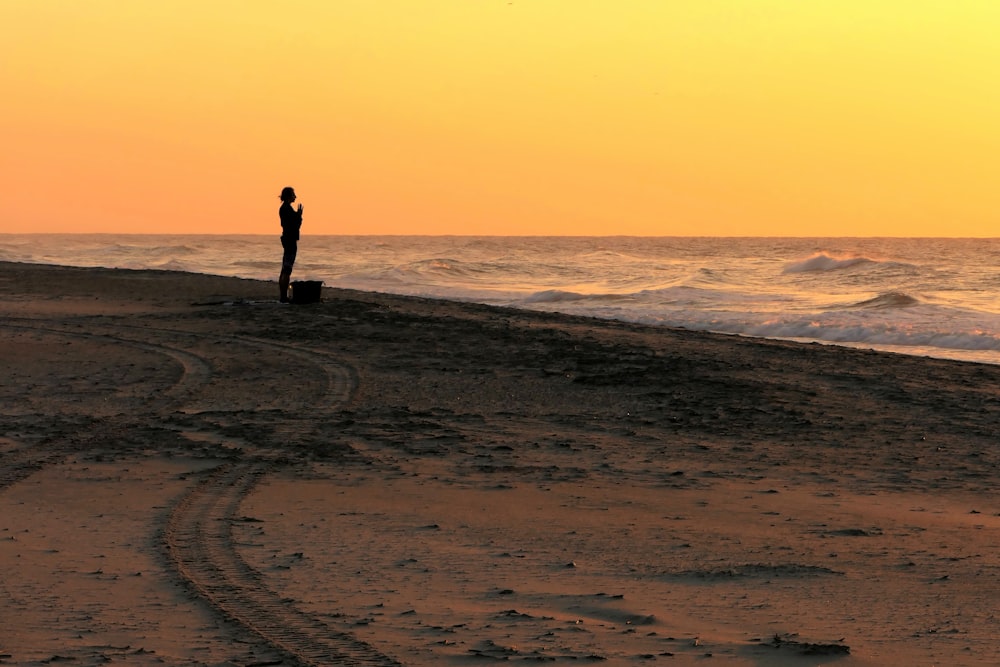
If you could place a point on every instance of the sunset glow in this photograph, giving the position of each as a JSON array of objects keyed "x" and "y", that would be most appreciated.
[{"x": 647, "y": 117}]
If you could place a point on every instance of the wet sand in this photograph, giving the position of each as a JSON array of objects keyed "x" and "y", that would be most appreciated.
[{"x": 192, "y": 473}]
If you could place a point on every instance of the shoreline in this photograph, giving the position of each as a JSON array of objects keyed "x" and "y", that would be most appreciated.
[
  {"x": 439, "y": 482},
  {"x": 978, "y": 356}
]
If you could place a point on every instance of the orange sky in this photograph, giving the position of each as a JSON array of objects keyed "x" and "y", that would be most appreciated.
[{"x": 646, "y": 117}]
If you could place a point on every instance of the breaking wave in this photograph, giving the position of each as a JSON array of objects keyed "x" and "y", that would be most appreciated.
[
  {"x": 888, "y": 300},
  {"x": 824, "y": 262}
]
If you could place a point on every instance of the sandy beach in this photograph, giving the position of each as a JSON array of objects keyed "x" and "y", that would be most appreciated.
[{"x": 193, "y": 473}]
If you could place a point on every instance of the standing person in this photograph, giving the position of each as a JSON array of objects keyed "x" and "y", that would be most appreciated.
[{"x": 291, "y": 221}]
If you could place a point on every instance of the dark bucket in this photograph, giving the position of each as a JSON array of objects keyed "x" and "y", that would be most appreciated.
[{"x": 306, "y": 291}]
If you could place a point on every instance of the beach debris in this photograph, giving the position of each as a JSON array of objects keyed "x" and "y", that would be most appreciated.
[
  {"x": 764, "y": 570},
  {"x": 490, "y": 649},
  {"x": 855, "y": 532},
  {"x": 810, "y": 648},
  {"x": 648, "y": 619}
]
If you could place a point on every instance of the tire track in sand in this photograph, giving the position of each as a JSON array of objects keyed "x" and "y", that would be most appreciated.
[
  {"x": 23, "y": 461},
  {"x": 199, "y": 541},
  {"x": 340, "y": 379},
  {"x": 197, "y": 537},
  {"x": 200, "y": 545},
  {"x": 195, "y": 373}
]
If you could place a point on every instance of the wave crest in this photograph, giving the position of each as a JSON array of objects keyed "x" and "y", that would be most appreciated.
[
  {"x": 888, "y": 300},
  {"x": 823, "y": 262},
  {"x": 559, "y": 296}
]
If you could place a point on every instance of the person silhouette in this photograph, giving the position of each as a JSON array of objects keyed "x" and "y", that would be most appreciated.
[{"x": 291, "y": 222}]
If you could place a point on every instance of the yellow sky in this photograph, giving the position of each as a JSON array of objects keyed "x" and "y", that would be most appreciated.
[{"x": 646, "y": 117}]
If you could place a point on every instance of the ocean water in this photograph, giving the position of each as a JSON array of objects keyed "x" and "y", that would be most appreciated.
[{"x": 932, "y": 297}]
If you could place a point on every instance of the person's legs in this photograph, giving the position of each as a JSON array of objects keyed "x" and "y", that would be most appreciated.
[
  {"x": 283, "y": 281},
  {"x": 287, "y": 262}
]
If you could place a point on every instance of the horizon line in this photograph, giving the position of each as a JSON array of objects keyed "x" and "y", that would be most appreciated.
[{"x": 568, "y": 236}]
